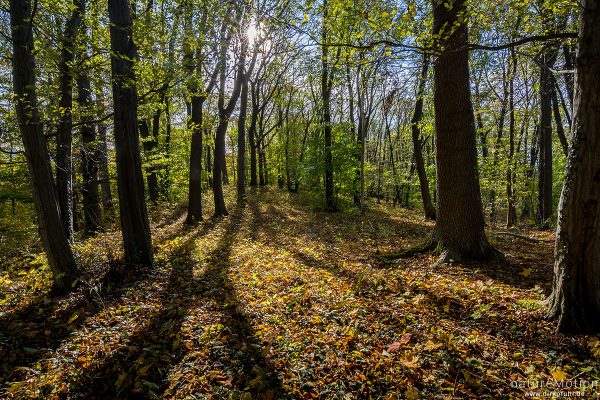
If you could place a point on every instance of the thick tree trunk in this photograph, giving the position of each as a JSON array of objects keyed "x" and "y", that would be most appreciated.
[
  {"x": 90, "y": 155},
  {"x": 133, "y": 214},
  {"x": 575, "y": 299},
  {"x": 416, "y": 140},
  {"x": 64, "y": 137},
  {"x": 54, "y": 238},
  {"x": 459, "y": 227}
]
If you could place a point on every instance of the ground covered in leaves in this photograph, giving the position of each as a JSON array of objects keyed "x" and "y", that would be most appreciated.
[{"x": 280, "y": 301}]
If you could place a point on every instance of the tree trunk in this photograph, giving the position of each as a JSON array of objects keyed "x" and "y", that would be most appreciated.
[
  {"x": 64, "y": 137},
  {"x": 241, "y": 142},
  {"x": 132, "y": 207},
  {"x": 252, "y": 135},
  {"x": 575, "y": 300},
  {"x": 326, "y": 113},
  {"x": 416, "y": 140},
  {"x": 560, "y": 130},
  {"x": 545, "y": 140},
  {"x": 107, "y": 201},
  {"x": 459, "y": 227},
  {"x": 225, "y": 110},
  {"x": 90, "y": 154},
  {"x": 52, "y": 232},
  {"x": 195, "y": 181},
  {"x": 219, "y": 165},
  {"x": 148, "y": 144},
  {"x": 511, "y": 213}
]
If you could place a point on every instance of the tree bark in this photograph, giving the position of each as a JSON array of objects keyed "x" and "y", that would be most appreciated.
[
  {"x": 107, "y": 200},
  {"x": 64, "y": 137},
  {"x": 511, "y": 213},
  {"x": 544, "y": 212},
  {"x": 326, "y": 113},
  {"x": 241, "y": 142},
  {"x": 459, "y": 228},
  {"x": 416, "y": 140},
  {"x": 52, "y": 232},
  {"x": 560, "y": 130},
  {"x": 90, "y": 154},
  {"x": 252, "y": 135},
  {"x": 195, "y": 181},
  {"x": 575, "y": 299},
  {"x": 149, "y": 143},
  {"x": 134, "y": 217}
]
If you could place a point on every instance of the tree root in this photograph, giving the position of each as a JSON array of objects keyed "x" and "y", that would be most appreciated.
[{"x": 430, "y": 244}]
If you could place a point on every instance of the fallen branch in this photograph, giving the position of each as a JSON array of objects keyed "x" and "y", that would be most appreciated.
[{"x": 523, "y": 237}]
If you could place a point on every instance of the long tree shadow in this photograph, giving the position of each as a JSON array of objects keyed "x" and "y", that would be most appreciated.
[
  {"x": 136, "y": 369},
  {"x": 35, "y": 331},
  {"x": 28, "y": 335},
  {"x": 139, "y": 369}
]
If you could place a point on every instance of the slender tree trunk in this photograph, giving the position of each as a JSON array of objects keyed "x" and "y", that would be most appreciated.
[
  {"x": 252, "y": 135},
  {"x": 560, "y": 130},
  {"x": 167, "y": 172},
  {"x": 195, "y": 180},
  {"x": 152, "y": 151},
  {"x": 134, "y": 217},
  {"x": 416, "y": 140},
  {"x": 545, "y": 140},
  {"x": 64, "y": 138},
  {"x": 225, "y": 110},
  {"x": 219, "y": 165},
  {"x": 241, "y": 142},
  {"x": 459, "y": 227},
  {"x": 511, "y": 213},
  {"x": 326, "y": 113},
  {"x": 569, "y": 78},
  {"x": 107, "y": 200},
  {"x": 575, "y": 300},
  {"x": 90, "y": 155},
  {"x": 148, "y": 144},
  {"x": 52, "y": 232}
]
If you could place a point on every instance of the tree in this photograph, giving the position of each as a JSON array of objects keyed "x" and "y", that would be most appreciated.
[
  {"x": 326, "y": 86},
  {"x": 225, "y": 108},
  {"x": 574, "y": 300},
  {"x": 64, "y": 145},
  {"x": 459, "y": 229},
  {"x": 90, "y": 155},
  {"x": 417, "y": 143},
  {"x": 54, "y": 237},
  {"x": 130, "y": 181}
]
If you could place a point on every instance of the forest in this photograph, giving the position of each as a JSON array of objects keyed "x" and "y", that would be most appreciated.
[{"x": 299, "y": 199}]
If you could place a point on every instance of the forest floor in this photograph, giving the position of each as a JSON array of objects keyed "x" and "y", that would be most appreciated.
[{"x": 281, "y": 301}]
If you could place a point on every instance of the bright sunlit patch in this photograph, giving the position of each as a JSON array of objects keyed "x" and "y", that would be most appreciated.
[{"x": 252, "y": 33}]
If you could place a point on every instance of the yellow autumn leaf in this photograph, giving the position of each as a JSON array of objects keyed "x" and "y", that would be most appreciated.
[
  {"x": 526, "y": 272},
  {"x": 410, "y": 363},
  {"x": 559, "y": 375},
  {"x": 430, "y": 345}
]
